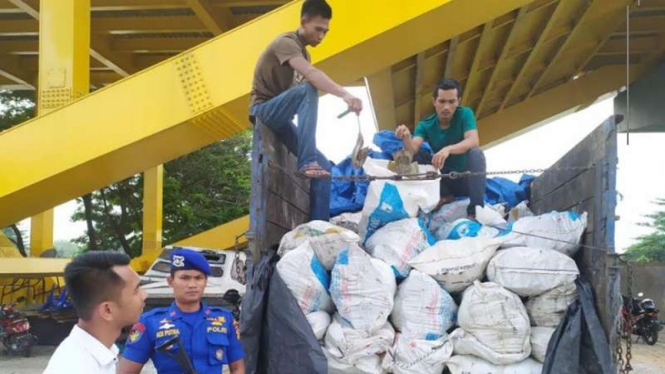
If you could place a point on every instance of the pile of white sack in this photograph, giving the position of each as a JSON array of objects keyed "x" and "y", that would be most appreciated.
[{"x": 379, "y": 287}]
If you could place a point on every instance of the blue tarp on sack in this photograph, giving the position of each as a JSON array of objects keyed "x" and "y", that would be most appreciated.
[
  {"x": 504, "y": 191},
  {"x": 347, "y": 196},
  {"x": 389, "y": 144}
]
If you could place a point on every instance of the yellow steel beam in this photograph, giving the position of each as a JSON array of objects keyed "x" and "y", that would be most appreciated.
[
  {"x": 198, "y": 97},
  {"x": 216, "y": 20},
  {"x": 64, "y": 68},
  {"x": 156, "y": 44},
  {"x": 101, "y": 48},
  {"x": 220, "y": 237},
  {"x": 153, "y": 182},
  {"x": 188, "y": 23},
  {"x": 248, "y": 3},
  {"x": 554, "y": 59},
  {"x": 32, "y": 267},
  {"x": 533, "y": 54},
  {"x": 518, "y": 118},
  {"x": 450, "y": 60},
  {"x": 472, "y": 80},
  {"x": 417, "y": 95},
  {"x": 382, "y": 95},
  {"x": 502, "y": 57}
]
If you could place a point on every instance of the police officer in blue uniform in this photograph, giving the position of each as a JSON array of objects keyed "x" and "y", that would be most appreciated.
[{"x": 210, "y": 335}]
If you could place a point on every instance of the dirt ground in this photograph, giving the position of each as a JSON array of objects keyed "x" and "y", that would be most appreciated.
[{"x": 646, "y": 360}]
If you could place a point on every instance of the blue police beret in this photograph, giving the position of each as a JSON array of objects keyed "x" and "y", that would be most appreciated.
[{"x": 187, "y": 259}]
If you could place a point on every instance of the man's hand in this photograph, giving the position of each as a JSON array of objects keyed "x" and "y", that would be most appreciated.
[
  {"x": 402, "y": 132},
  {"x": 440, "y": 157},
  {"x": 354, "y": 103}
]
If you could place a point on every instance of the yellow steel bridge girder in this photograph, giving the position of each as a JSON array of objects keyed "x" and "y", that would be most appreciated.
[
  {"x": 201, "y": 96},
  {"x": 64, "y": 74}
]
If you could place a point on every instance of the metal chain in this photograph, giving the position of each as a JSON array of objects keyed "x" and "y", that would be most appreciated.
[
  {"x": 629, "y": 341},
  {"x": 241, "y": 273},
  {"x": 435, "y": 175}
]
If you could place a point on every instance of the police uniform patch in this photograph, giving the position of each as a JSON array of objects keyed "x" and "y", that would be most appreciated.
[
  {"x": 165, "y": 324},
  {"x": 219, "y": 354},
  {"x": 137, "y": 332},
  {"x": 178, "y": 261}
]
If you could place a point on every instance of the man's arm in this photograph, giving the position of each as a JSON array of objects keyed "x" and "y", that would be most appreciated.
[
  {"x": 237, "y": 367},
  {"x": 126, "y": 366},
  {"x": 411, "y": 143},
  {"x": 470, "y": 141},
  {"x": 323, "y": 83}
]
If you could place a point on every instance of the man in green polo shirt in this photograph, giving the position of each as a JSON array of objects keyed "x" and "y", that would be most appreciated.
[{"x": 453, "y": 135}]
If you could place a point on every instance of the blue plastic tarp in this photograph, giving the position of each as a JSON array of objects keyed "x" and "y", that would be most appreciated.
[
  {"x": 389, "y": 143},
  {"x": 504, "y": 191},
  {"x": 347, "y": 196}
]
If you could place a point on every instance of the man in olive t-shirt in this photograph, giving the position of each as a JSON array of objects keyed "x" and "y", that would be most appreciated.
[
  {"x": 286, "y": 84},
  {"x": 453, "y": 135}
]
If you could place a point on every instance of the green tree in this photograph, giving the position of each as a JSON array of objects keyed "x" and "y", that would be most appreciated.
[
  {"x": 15, "y": 107},
  {"x": 201, "y": 190},
  {"x": 650, "y": 247},
  {"x": 67, "y": 249}
]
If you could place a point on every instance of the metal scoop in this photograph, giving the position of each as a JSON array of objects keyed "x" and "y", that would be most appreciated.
[{"x": 360, "y": 153}]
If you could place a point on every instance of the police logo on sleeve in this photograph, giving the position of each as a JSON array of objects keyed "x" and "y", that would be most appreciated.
[{"x": 137, "y": 332}]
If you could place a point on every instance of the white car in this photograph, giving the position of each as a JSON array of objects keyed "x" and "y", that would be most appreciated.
[{"x": 223, "y": 277}]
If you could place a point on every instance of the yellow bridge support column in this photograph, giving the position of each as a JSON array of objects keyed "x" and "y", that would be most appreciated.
[
  {"x": 64, "y": 75},
  {"x": 153, "y": 184}
]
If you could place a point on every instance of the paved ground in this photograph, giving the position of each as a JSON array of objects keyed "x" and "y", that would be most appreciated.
[{"x": 646, "y": 360}]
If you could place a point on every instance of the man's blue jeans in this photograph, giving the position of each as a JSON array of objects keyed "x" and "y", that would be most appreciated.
[{"x": 277, "y": 113}]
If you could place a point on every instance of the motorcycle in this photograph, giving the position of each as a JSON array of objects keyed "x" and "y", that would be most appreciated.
[
  {"x": 642, "y": 319},
  {"x": 15, "y": 331}
]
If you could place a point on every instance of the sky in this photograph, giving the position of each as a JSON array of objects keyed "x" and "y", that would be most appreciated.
[{"x": 640, "y": 178}]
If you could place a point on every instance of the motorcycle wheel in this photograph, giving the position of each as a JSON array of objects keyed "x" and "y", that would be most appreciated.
[{"x": 651, "y": 335}]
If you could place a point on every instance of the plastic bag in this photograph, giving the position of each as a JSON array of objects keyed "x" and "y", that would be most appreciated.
[
  {"x": 363, "y": 289},
  {"x": 412, "y": 356},
  {"x": 398, "y": 242},
  {"x": 326, "y": 239},
  {"x": 466, "y": 364},
  {"x": 548, "y": 309},
  {"x": 456, "y": 264},
  {"x": 308, "y": 281},
  {"x": 531, "y": 271},
  {"x": 495, "y": 325},
  {"x": 350, "y": 351},
  {"x": 423, "y": 309},
  {"x": 319, "y": 321},
  {"x": 560, "y": 231}
]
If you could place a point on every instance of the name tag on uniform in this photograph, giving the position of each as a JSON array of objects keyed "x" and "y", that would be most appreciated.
[
  {"x": 169, "y": 332},
  {"x": 218, "y": 329}
]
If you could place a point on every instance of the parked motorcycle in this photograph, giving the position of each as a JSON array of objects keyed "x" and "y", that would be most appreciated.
[
  {"x": 644, "y": 322},
  {"x": 15, "y": 331}
]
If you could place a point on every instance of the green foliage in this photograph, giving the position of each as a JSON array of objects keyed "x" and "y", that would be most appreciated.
[
  {"x": 67, "y": 249},
  {"x": 15, "y": 107},
  {"x": 650, "y": 247},
  {"x": 201, "y": 190}
]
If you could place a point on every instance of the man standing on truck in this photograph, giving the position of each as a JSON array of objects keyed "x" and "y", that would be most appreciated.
[
  {"x": 453, "y": 135},
  {"x": 286, "y": 84},
  {"x": 106, "y": 295},
  {"x": 210, "y": 335}
]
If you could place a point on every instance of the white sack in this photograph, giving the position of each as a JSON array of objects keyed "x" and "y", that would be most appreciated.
[
  {"x": 448, "y": 213},
  {"x": 349, "y": 221},
  {"x": 319, "y": 321},
  {"x": 540, "y": 338},
  {"x": 548, "y": 309},
  {"x": 560, "y": 231},
  {"x": 491, "y": 216},
  {"x": 351, "y": 351},
  {"x": 363, "y": 289},
  {"x": 531, "y": 271},
  {"x": 472, "y": 365},
  {"x": 465, "y": 228},
  {"x": 495, "y": 325},
  {"x": 456, "y": 264},
  {"x": 306, "y": 278},
  {"x": 326, "y": 239},
  {"x": 389, "y": 201},
  {"x": 398, "y": 242},
  {"x": 423, "y": 310},
  {"x": 410, "y": 356},
  {"x": 520, "y": 211}
]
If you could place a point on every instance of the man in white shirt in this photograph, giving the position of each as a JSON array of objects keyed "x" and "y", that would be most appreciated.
[{"x": 106, "y": 294}]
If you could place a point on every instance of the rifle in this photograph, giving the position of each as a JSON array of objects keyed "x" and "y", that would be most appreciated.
[{"x": 180, "y": 356}]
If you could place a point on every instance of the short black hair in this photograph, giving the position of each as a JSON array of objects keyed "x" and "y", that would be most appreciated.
[
  {"x": 447, "y": 84},
  {"x": 91, "y": 280},
  {"x": 313, "y": 8}
]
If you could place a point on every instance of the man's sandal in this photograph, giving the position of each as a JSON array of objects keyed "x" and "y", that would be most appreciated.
[{"x": 313, "y": 171}]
